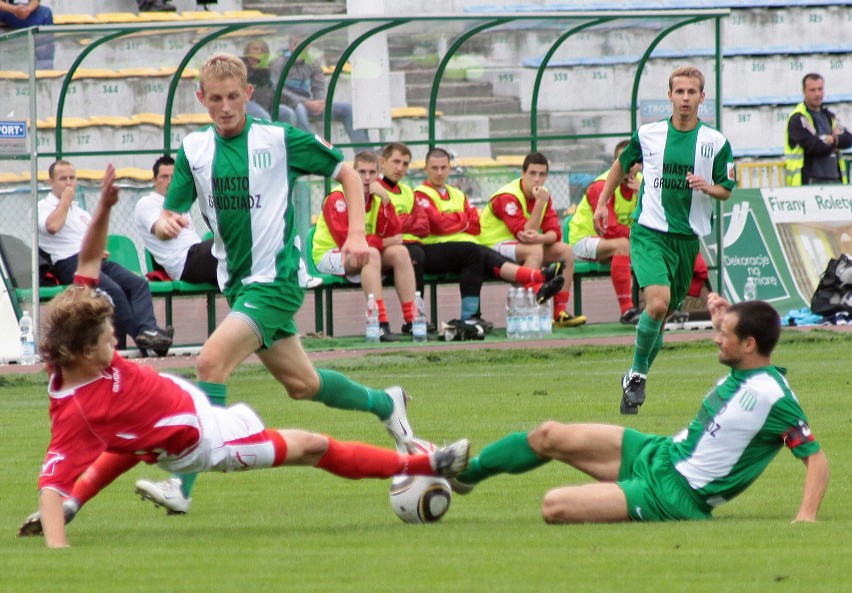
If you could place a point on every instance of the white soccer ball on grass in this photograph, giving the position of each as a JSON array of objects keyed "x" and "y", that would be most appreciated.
[{"x": 420, "y": 499}]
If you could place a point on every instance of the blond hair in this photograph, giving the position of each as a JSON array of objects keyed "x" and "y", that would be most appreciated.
[
  {"x": 222, "y": 66},
  {"x": 687, "y": 72}
]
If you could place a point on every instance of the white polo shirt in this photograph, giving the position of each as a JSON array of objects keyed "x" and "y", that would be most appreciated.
[
  {"x": 69, "y": 239},
  {"x": 170, "y": 254}
]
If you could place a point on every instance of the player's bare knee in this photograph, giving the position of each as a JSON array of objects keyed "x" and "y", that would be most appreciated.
[
  {"x": 208, "y": 367},
  {"x": 542, "y": 440},
  {"x": 553, "y": 509}
]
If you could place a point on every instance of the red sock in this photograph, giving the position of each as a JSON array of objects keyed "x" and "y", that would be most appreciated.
[
  {"x": 560, "y": 302},
  {"x": 358, "y": 460},
  {"x": 621, "y": 281},
  {"x": 383, "y": 314},
  {"x": 408, "y": 311},
  {"x": 101, "y": 473},
  {"x": 529, "y": 276}
]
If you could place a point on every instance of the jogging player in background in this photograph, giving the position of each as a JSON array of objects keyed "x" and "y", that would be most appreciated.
[{"x": 686, "y": 166}]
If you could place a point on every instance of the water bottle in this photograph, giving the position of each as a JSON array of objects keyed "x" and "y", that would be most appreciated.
[
  {"x": 533, "y": 317},
  {"x": 511, "y": 315},
  {"x": 418, "y": 325},
  {"x": 523, "y": 318},
  {"x": 28, "y": 355},
  {"x": 545, "y": 318},
  {"x": 750, "y": 289},
  {"x": 373, "y": 331}
]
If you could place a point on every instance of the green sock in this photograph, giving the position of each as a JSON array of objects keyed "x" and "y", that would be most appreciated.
[
  {"x": 338, "y": 391},
  {"x": 647, "y": 333},
  {"x": 217, "y": 393},
  {"x": 510, "y": 455},
  {"x": 658, "y": 345}
]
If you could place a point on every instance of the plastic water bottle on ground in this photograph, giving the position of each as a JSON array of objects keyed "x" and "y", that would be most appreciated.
[
  {"x": 523, "y": 316},
  {"x": 372, "y": 332},
  {"x": 512, "y": 324},
  {"x": 750, "y": 289},
  {"x": 28, "y": 354},
  {"x": 418, "y": 325},
  {"x": 533, "y": 317},
  {"x": 545, "y": 318}
]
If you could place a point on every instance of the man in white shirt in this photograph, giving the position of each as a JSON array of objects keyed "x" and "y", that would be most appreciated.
[
  {"x": 62, "y": 224},
  {"x": 186, "y": 257}
]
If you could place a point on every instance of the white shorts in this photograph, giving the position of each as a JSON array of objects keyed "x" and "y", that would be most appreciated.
[
  {"x": 506, "y": 249},
  {"x": 332, "y": 263},
  {"x": 587, "y": 248},
  {"x": 232, "y": 439}
]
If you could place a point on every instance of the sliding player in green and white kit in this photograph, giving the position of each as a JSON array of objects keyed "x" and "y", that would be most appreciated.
[
  {"x": 686, "y": 165},
  {"x": 743, "y": 422}
]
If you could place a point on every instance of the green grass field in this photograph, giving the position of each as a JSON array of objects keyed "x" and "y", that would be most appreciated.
[{"x": 304, "y": 530}]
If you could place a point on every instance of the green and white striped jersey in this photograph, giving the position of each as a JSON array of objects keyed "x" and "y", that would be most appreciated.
[
  {"x": 244, "y": 185},
  {"x": 666, "y": 203},
  {"x": 742, "y": 424}
]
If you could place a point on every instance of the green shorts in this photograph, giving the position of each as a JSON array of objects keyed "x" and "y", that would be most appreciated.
[
  {"x": 654, "y": 490},
  {"x": 269, "y": 307},
  {"x": 663, "y": 259}
]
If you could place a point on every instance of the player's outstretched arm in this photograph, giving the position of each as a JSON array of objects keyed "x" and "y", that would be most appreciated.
[
  {"x": 816, "y": 483},
  {"x": 355, "y": 248},
  {"x": 94, "y": 241}
]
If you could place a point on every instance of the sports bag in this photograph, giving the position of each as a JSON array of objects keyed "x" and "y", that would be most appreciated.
[{"x": 834, "y": 291}]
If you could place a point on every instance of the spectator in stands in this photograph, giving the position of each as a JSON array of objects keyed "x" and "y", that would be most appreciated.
[
  {"x": 686, "y": 166},
  {"x": 304, "y": 94},
  {"x": 186, "y": 257},
  {"x": 31, "y": 14},
  {"x": 453, "y": 221},
  {"x": 154, "y": 6},
  {"x": 62, "y": 225},
  {"x": 520, "y": 223},
  {"x": 256, "y": 57},
  {"x": 614, "y": 245},
  {"x": 384, "y": 236},
  {"x": 814, "y": 139}
]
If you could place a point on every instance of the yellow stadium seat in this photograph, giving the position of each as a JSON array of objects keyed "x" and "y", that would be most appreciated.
[
  {"x": 246, "y": 14},
  {"x": 511, "y": 160},
  {"x": 13, "y": 75},
  {"x": 158, "y": 17},
  {"x": 73, "y": 19},
  {"x": 50, "y": 73},
  {"x": 192, "y": 118},
  {"x": 95, "y": 73},
  {"x": 134, "y": 173},
  {"x": 12, "y": 178},
  {"x": 139, "y": 72},
  {"x": 116, "y": 17},
  {"x": 67, "y": 122},
  {"x": 111, "y": 120},
  {"x": 477, "y": 162},
  {"x": 398, "y": 112},
  {"x": 155, "y": 119},
  {"x": 88, "y": 174},
  {"x": 201, "y": 15}
]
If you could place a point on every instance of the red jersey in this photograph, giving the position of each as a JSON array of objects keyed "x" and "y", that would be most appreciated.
[
  {"x": 507, "y": 208},
  {"x": 448, "y": 221},
  {"x": 128, "y": 409},
  {"x": 336, "y": 215}
]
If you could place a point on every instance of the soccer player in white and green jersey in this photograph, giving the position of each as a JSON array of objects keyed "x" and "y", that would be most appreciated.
[
  {"x": 242, "y": 172},
  {"x": 686, "y": 165},
  {"x": 743, "y": 422}
]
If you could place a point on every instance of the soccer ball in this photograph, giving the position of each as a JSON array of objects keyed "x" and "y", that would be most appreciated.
[{"x": 420, "y": 499}]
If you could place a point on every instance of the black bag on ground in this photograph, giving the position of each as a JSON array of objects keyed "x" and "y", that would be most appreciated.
[{"x": 834, "y": 291}]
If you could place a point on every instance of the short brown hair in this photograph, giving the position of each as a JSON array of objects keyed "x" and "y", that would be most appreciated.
[
  {"x": 73, "y": 324},
  {"x": 619, "y": 148},
  {"x": 810, "y": 76},
  {"x": 366, "y": 156},
  {"x": 535, "y": 158},
  {"x": 54, "y": 164},
  {"x": 687, "y": 72},
  {"x": 221, "y": 66},
  {"x": 392, "y": 147}
]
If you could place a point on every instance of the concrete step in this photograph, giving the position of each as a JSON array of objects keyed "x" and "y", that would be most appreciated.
[
  {"x": 448, "y": 90},
  {"x": 473, "y": 105},
  {"x": 305, "y": 7}
]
